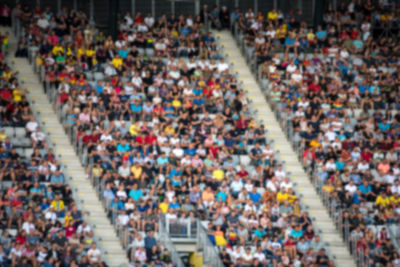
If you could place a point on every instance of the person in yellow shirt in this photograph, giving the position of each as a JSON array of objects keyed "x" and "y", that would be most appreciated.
[
  {"x": 57, "y": 49},
  {"x": 395, "y": 198},
  {"x": 3, "y": 135},
  {"x": 281, "y": 32},
  {"x": 164, "y": 205},
  {"x": 169, "y": 130},
  {"x": 134, "y": 129},
  {"x": 137, "y": 170},
  {"x": 17, "y": 95},
  {"x": 58, "y": 205},
  {"x": 117, "y": 61},
  {"x": 272, "y": 15},
  {"x": 219, "y": 174},
  {"x": 311, "y": 38},
  {"x": 282, "y": 195},
  {"x": 382, "y": 200},
  {"x": 291, "y": 196},
  {"x": 90, "y": 51},
  {"x": 328, "y": 187}
]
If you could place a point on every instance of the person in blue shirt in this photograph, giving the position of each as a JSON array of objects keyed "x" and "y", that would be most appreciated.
[
  {"x": 123, "y": 52},
  {"x": 57, "y": 180},
  {"x": 135, "y": 193},
  {"x": 260, "y": 232},
  {"x": 174, "y": 204},
  {"x": 108, "y": 194},
  {"x": 191, "y": 150},
  {"x": 296, "y": 232},
  {"x": 222, "y": 195},
  {"x": 123, "y": 146},
  {"x": 99, "y": 87},
  {"x": 255, "y": 196},
  {"x": 340, "y": 164},
  {"x": 175, "y": 172},
  {"x": 366, "y": 191},
  {"x": 355, "y": 177}
]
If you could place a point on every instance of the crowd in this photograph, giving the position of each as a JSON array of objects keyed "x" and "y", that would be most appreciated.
[
  {"x": 170, "y": 133},
  {"x": 335, "y": 89},
  {"x": 40, "y": 222}
]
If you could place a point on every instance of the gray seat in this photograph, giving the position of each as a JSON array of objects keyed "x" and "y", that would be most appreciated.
[
  {"x": 20, "y": 151},
  {"x": 140, "y": 51},
  {"x": 28, "y": 152},
  {"x": 98, "y": 76},
  {"x": 150, "y": 52},
  {"x": 25, "y": 142},
  {"x": 20, "y": 132},
  {"x": 89, "y": 76},
  {"x": 9, "y": 131}
]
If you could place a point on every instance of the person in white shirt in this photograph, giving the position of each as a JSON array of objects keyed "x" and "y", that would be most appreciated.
[
  {"x": 286, "y": 184},
  {"x": 222, "y": 66},
  {"x": 260, "y": 255},
  {"x": 236, "y": 185},
  {"x": 351, "y": 187},
  {"x": 280, "y": 173},
  {"x": 149, "y": 20},
  {"x": 395, "y": 188},
  {"x": 247, "y": 257},
  {"x": 32, "y": 125},
  {"x": 272, "y": 184},
  {"x": 51, "y": 215},
  {"x": 28, "y": 226},
  {"x": 43, "y": 23},
  {"x": 38, "y": 138},
  {"x": 123, "y": 218},
  {"x": 94, "y": 254}
]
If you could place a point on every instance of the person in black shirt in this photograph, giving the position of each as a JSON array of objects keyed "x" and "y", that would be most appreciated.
[{"x": 322, "y": 259}]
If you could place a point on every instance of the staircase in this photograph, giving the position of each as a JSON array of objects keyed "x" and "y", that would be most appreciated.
[
  {"x": 84, "y": 193},
  {"x": 303, "y": 187}
]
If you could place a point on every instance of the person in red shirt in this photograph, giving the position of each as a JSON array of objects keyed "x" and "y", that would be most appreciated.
[
  {"x": 21, "y": 238},
  {"x": 241, "y": 124},
  {"x": 314, "y": 86},
  {"x": 242, "y": 172},
  {"x": 150, "y": 139},
  {"x": 213, "y": 150},
  {"x": 140, "y": 139},
  {"x": 366, "y": 155}
]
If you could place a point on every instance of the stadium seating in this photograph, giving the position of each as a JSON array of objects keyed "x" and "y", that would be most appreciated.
[{"x": 171, "y": 137}]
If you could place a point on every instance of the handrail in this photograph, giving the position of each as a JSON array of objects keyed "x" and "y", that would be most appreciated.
[
  {"x": 210, "y": 252},
  {"x": 164, "y": 238}
]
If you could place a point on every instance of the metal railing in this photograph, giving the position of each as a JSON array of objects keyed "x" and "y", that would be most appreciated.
[{"x": 210, "y": 252}]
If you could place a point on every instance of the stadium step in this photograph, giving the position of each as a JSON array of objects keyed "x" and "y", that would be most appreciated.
[
  {"x": 112, "y": 250},
  {"x": 308, "y": 196}
]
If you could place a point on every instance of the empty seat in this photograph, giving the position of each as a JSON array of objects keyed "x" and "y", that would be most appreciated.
[
  {"x": 9, "y": 131},
  {"x": 20, "y": 132},
  {"x": 89, "y": 76},
  {"x": 245, "y": 160},
  {"x": 24, "y": 142},
  {"x": 28, "y": 152},
  {"x": 98, "y": 76},
  {"x": 140, "y": 51},
  {"x": 150, "y": 52}
]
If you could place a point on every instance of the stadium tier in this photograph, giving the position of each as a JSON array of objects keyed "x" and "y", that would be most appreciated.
[{"x": 160, "y": 126}]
